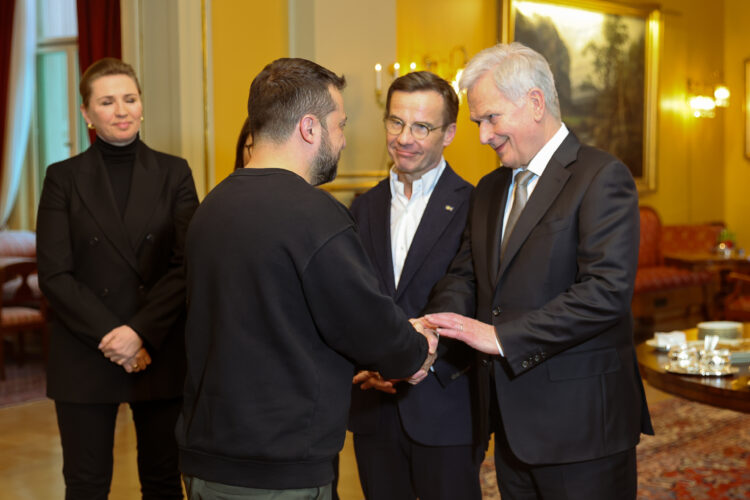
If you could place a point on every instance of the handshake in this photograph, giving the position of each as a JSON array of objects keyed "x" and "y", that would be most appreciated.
[
  {"x": 474, "y": 333},
  {"x": 430, "y": 333},
  {"x": 372, "y": 380}
]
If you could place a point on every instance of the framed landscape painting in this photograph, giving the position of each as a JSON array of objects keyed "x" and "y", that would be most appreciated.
[{"x": 604, "y": 57}]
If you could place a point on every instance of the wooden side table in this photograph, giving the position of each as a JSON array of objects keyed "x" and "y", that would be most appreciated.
[{"x": 715, "y": 263}]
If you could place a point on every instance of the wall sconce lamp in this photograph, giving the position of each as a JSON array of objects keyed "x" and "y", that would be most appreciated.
[
  {"x": 721, "y": 96},
  {"x": 702, "y": 103},
  {"x": 702, "y": 106},
  {"x": 394, "y": 70},
  {"x": 449, "y": 68}
]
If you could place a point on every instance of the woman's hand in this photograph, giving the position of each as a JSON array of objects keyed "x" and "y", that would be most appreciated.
[
  {"x": 121, "y": 344},
  {"x": 139, "y": 362}
]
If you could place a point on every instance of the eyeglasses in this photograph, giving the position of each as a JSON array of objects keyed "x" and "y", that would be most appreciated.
[{"x": 418, "y": 130}]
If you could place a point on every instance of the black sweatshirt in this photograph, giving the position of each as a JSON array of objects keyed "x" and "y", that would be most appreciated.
[{"x": 282, "y": 302}]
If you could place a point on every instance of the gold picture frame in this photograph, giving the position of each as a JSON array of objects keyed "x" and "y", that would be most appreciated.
[
  {"x": 605, "y": 59},
  {"x": 747, "y": 108}
]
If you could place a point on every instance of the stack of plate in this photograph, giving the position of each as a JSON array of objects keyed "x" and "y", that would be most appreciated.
[{"x": 724, "y": 329}]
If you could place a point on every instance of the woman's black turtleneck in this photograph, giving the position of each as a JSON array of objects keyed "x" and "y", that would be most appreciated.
[{"x": 119, "y": 161}]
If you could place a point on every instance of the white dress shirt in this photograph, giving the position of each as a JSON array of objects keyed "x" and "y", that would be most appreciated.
[
  {"x": 536, "y": 166},
  {"x": 406, "y": 213}
]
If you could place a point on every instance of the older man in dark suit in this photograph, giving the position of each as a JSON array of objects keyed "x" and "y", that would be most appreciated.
[
  {"x": 547, "y": 268},
  {"x": 416, "y": 441}
]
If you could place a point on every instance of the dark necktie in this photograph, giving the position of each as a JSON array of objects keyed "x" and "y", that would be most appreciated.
[{"x": 520, "y": 195}]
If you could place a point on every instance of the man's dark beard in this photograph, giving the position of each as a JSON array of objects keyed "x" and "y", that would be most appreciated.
[{"x": 325, "y": 164}]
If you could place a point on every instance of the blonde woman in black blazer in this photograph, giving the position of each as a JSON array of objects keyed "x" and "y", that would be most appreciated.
[{"x": 111, "y": 232}]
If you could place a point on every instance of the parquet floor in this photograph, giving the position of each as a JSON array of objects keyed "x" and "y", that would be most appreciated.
[{"x": 31, "y": 458}]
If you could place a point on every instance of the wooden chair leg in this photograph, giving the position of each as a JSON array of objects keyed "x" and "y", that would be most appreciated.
[
  {"x": 2, "y": 358},
  {"x": 45, "y": 345},
  {"x": 21, "y": 348}
]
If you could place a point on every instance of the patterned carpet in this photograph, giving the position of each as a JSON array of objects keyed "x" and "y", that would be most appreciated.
[{"x": 699, "y": 452}]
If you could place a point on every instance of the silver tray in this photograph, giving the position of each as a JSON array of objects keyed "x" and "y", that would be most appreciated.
[
  {"x": 693, "y": 343},
  {"x": 731, "y": 370}
]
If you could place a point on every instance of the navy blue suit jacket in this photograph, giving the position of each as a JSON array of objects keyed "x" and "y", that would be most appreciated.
[{"x": 437, "y": 411}]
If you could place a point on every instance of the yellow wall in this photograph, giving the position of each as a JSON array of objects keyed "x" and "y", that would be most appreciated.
[
  {"x": 736, "y": 201},
  {"x": 245, "y": 36},
  {"x": 434, "y": 28},
  {"x": 702, "y": 174},
  {"x": 690, "y": 174}
]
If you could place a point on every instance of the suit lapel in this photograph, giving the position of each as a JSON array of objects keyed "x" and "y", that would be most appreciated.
[
  {"x": 94, "y": 188},
  {"x": 547, "y": 189},
  {"x": 380, "y": 233},
  {"x": 145, "y": 187},
  {"x": 442, "y": 207}
]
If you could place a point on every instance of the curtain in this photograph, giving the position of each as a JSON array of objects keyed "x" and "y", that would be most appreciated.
[
  {"x": 17, "y": 96},
  {"x": 98, "y": 33},
  {"x": 6, "y": 29}
]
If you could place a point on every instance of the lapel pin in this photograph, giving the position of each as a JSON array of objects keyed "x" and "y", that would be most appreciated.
[{"x": 449, "y": 208}]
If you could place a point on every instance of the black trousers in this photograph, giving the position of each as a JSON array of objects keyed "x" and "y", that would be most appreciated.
[
  {"x": 613, "y": 477},
  {"x": 394, "y": 467},
  {"x": 87, "y": 434}
]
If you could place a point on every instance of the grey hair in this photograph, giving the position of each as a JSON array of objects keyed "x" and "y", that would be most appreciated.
[{"x": 516, "y": 69}]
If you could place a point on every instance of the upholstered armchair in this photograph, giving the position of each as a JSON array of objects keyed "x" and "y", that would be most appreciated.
[
  {"x": 14, "y": 244},
  {"x": 18, "y": 313},
  {"x": 23, "y": 308}
]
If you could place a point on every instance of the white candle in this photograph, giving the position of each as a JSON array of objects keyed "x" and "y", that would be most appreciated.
[
  {"x": 396, "y": 67},
  {"x": 378, "y": 81}
]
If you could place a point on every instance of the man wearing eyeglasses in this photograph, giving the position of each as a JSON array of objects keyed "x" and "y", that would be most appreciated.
[{"x": 416, "y": 441}]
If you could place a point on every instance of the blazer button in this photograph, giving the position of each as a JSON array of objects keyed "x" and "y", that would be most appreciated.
[
  {"x": 496, "y": 311},
  {"x": 485, "y": 362},
  {"x": 525, "y": 364},
  {"x": 537, "y": 358},
  {"x": 141, "y": 289},
  {"x": 104, "y": 292},
  {"x": 93, "y": 241},
  {"x": 149, "y": 237}
]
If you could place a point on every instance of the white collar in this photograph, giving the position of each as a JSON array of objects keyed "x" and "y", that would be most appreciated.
[
  {"x": 420, "y": 187},
  {"x": 540, "y": 160}
]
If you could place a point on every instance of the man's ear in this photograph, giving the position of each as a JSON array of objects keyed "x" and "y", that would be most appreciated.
[
  {"x": 450, "y": 133},
  {"x": 536, "y": 98},
  {"x": 308, "y": 128}
]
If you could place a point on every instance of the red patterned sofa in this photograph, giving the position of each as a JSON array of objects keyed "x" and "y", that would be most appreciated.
[
  {"x": 667, "y": 297},
  {"x": 690, "y": 238}
]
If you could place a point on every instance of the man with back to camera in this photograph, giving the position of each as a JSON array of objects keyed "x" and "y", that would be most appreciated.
[
  {"x": 547, "y": 267},
  {"x": 282, "y": 301},
  {"x": 416, "y": 441}
]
